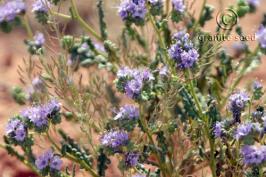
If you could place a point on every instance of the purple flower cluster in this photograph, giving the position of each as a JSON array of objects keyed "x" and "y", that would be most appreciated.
[
  {"x": 183, "y": 51},
  {"x": 134, "y": 10},
  {"x": 237, "y": 103},
  {"x": 10, "y": 10},
  {"x": 178, "y": 5},
  {"x": 49, "y": 159},
  {"x": 131, "y": 159},
  {"x": 41, "y": 6},
  {"x": 127, "y": 112},
  {"x": 253, "y": 155},
  {"x": 246, "y": 129},
  {"x": 133, "y": 81},
  {"x": 16, "y": 129},
  {"x": 261, "y": 36},
  {"x": 39, "y": 115},
  {"x": 114, "y": 139},
  {"x": 39, "y": 39}
]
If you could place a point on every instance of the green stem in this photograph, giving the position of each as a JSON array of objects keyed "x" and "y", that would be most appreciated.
[
  {"x": 161, "y": 42},
  {"x": 26, "y": 24},
  {"x": 261, "y": 171},
  {"x": 61, "y": 15},
  {"x": 87, "y": 27}
]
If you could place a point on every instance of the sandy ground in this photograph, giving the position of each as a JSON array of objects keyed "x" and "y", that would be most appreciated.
[{"x": 12, "y": 51}]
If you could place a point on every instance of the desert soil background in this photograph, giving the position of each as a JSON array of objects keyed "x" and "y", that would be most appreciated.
[{"x": 13, "y": 50}]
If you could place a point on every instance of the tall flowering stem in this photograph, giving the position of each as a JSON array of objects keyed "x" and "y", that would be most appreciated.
[
  {"x": 205, "y": 119},
  {"x": 27, "y": 26},
  {"x": 161, "y": 42}
]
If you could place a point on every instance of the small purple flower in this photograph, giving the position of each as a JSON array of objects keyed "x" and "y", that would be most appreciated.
[
  {"x": 218, "y": 129},
  {"x": 52, "y": 107},
  {"x": 56, "y": 163},
  {"x": 131, "y": 159},
  {"x": 39, "y": 39},
  {"x": 114, "y": 139},
  {"x": 183, "y": 52},
  {"x": 246, "y": 129},
  {"x": 36, "y": 115},
  {"x": 243, "y": 130},
  {"x": 179, "y": 5},
  {"x": 43, "y": 160},
  {"x": 253, "y": 155},
  {"x": 132, "y": 81},
  {"x": 254, "y": 3},
  {"x": 133, "y": 88},
  {"x": 48, "y": 158},
  {"x": 129, "y": 112},
  {"x": 237, "y": 103},
  {"x": 144, "y": 75},
  {"x": 132, "y": 9},
  {"x": 39, "y": 115},
  {"x": 10, "y": 9},
  {"x": 261, "y": 36},
  {"x": 16, "y": 129},
  {"x": 41, "y": 6}
]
